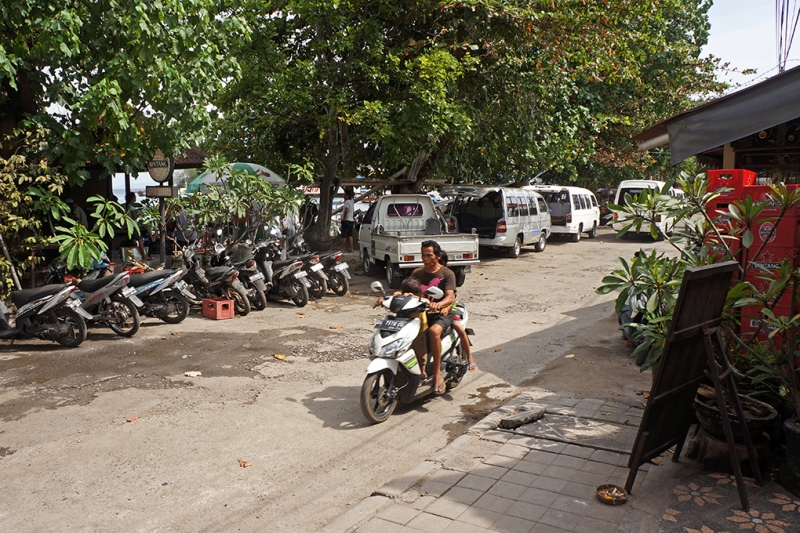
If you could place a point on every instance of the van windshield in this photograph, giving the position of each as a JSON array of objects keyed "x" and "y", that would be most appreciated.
[{"x": 633, "y": 192}]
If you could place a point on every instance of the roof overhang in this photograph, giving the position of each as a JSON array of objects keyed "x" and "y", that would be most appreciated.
[{"x": 726, "y": 119}]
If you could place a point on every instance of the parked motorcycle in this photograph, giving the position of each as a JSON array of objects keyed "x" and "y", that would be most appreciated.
[
  {"x": 315, "y": 274},
  {"x": 164, "y": 294},
  {"x": 47, "y": 313},
  {"x": 215, "y": 282},
  {"x": 393, "y": 374},
  {"x": 337, "y": 271},
  {"x": 107, "y": 299},
  {"x": 284, "y": 279},
  {"x": 240, "y": 256}
]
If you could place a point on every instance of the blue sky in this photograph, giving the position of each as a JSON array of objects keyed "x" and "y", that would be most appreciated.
[{"x": 743, "y": 33}]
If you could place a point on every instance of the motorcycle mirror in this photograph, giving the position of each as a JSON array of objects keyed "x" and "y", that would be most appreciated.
[
  {"x": 219, "y": 231},
  {"x": 435, "y": 292},
  {"x": 377, "y": 287}
]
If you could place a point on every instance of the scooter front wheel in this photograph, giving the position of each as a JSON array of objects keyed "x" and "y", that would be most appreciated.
[{"x": 376, "y": 404}]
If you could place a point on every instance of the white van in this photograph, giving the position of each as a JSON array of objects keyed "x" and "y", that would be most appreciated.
[
  {"x": 634, "y": 188},
  {"x": 573, "y": 210},
  {"x": 503, "y": 217}
]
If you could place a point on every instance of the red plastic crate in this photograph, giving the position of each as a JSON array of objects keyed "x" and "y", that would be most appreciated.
[
  {"x": 761, "y": 283},
  {"x": 217, "y": 308},
  {"x": 716, "y": 247},
  {"x": 750, "y": 323},
  {"x": 736, "y": 179},
  {"x": 772, "y": 255},
  {"x": 786, "y": 235},
  {"x": 761, "y": 194}
]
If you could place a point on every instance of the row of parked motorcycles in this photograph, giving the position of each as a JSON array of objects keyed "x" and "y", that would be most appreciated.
[{"x": 244, "y": 272}]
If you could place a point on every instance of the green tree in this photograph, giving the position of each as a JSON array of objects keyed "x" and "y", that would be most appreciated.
[{"x": 111, "y": 80}]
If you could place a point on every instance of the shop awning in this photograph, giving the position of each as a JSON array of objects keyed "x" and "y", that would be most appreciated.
[{"x": 734, "y": 116}]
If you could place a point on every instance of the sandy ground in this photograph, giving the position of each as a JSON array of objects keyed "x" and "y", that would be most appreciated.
[{"x": 71, "y": 461}]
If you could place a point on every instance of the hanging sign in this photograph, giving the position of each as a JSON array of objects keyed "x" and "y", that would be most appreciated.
[{"x": 160, "y": 167}]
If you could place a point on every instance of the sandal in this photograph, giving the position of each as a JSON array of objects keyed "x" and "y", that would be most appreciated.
[
  {"x": 472, "y": 367},
  {"x": 441, "y": 388}
]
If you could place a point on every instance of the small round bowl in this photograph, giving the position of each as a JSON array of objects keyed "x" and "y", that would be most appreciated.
[{"x": 604, "y": 496}]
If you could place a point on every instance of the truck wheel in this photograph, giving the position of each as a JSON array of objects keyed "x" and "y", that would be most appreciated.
[
  {"x": 461, "y": 276},
  {"x": 369, "y": 266},
  {"x": 541, "y": 243},
  {"x": 516, "y": 249},
  {"x": 393, "y": 275},
  {"x": 592, "y": 232},
  {"x": 576, "y": 237}
]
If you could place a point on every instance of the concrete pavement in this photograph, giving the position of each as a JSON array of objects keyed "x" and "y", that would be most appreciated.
[{"x": 542, "y": 478}]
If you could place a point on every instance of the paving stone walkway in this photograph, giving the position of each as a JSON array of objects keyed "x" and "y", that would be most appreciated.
[{"x": 544, "y": 480}]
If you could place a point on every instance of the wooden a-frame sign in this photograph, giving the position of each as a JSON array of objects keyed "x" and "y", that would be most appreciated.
[{"x": 693, "y": 350}]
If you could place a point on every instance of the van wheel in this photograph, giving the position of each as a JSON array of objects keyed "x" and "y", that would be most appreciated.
[
  {"x": 461, "y": 276},
  {"x": 393, "y": 276},
  {"x": 592, "y": 232},
  {"x": 515, "y": 250},
  {"x": 369, "y": 266},
  {"x": 576, "y": 237},
  {"x": 541, "y": 243}
]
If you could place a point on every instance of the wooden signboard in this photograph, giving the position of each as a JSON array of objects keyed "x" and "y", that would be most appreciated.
[{"x": 687, "y": 355}]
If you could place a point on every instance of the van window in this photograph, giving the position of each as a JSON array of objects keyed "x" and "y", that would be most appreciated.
[
  {"x": 594, "y": 200},
  {"x": 512, "y": 209},
  {"x": 542, "y": 205},
  {"x": 634, "y": 192},
  {"x": 523, "y": 206},
  {"x": 404, "y": 210},
  {"x": 576, "y": 201},
  {"x": 368, "y": 215},
  {"x": 532, "y": 206},
  {"x": 558, "y": 203}
]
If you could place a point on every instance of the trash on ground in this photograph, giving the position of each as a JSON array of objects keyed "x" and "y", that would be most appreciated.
[
  {"x": 279, "y": 357},
  {"x": 570, "y": 356},
  {"x": 612, "y": 393},
  {"x": 193, "y": 374},
  {"x": 132, "y": 419},
  {"x": 244, "y": 464},
  {"x": 336, "y": 327},
  {"x": 498, "y": 349}
]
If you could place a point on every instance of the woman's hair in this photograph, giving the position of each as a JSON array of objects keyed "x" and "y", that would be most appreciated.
[{"x": 443, "y": 259}]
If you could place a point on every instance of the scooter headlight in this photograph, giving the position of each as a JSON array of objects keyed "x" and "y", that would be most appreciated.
[{"x": 391, "y": 347}]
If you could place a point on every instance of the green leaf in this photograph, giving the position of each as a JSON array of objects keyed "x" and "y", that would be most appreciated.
[{"x": 747, "y": 239}]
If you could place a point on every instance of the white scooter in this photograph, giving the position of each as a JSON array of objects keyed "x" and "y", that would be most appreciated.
[{"x": 393, "y": 374}]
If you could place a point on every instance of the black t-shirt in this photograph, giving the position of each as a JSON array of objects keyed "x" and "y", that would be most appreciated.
[{"x": 442, "y": 278}]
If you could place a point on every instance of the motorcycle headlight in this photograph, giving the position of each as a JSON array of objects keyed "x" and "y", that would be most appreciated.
[{"x": 391, "y": 347}]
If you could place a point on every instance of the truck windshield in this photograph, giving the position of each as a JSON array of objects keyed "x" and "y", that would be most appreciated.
[{"x": 404, "y": 210}]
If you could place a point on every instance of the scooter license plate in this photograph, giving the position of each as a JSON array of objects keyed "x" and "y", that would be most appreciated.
[
  {"x": 181, "y": 285},
  {"x": 75, "y": 305},
  {"x": 188, "y": 294},
  {"x": 341, "y": 266},
  {"x": 390, "y": 325},
  {"x": 300, "y": 274},
  {"x": 127, "y": 292},
  {"x": 317, "y": 267},
  {"x": 136, "y": 301},
  {"x": 256, "y": 277}
]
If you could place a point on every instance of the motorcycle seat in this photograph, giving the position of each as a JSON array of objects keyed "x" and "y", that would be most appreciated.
[
  {"x": 143, "y": 279},
  {"x": 25, "y": 296},
  {"x": 277, "y": 265},
  {"x": 219, "y": 272},
  {"x": 92, "y": 285}
]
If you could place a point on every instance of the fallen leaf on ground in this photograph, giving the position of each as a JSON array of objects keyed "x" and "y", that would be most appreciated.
[
  {"x": 163, "y": 338},
  {"x": 174, "y": 333},
  {"x": 132, "y": 419},
  {"x": 639, "y": 392},
  {"x": 570, "y": 356},
  {"x": 657, "y": 462},
  {"x": 278, "y": 356},
  {"x": 193, "y": 374},
  {"x": 612, "y": 393},
  {"x": 646, "y": 395},
  {"x": 534, "y": 322},
  {"x": 498, "y": 349},
  {"x": 244, "y": 464},
  {"x": 301, "y": 316},
  {"x": 336, "y": 327},
  {"x": 665, "y": 454}
]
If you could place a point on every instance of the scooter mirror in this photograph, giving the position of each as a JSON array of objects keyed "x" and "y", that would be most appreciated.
[
  {"x": 376, "y": 286},
  {"x": 219, "y": 231},
  {"x": 434, "y": 292}
]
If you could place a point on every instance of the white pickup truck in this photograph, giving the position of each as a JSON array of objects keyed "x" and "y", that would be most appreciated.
[{"x": 392, "y": 233}]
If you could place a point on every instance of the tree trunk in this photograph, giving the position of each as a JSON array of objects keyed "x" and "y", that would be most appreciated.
[{"x": 319, "y": 238}]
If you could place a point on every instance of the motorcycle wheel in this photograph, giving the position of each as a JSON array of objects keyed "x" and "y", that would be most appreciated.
[
  {"x": 374, "y": 404},
  {"x": 181, "y": 307},
  {"x": 458, "y": 358},
  {"x": 300, "y": 297},
  {"x": 77, "y": 327},
  {"x": 126, "y": 318},
  {"x": 339, "y": 284},
  {"x": 259, "y": 300},
  {"x": 318, "y": 287},
  {"x": 241, "y": 303}
]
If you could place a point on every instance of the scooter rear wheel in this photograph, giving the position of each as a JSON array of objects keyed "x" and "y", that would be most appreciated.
[
  {"x": 180, "y": 303},
  {"x": 125, "y": 316},
  {"x": 77, "y": 327},
  {"x": 318, "y": 287},
  {"x": 374, "y": 403},
  {"x": 300, "y": 298},
  {"x": 241, "y": 303},
  {"x": 339, "y": 284}
]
